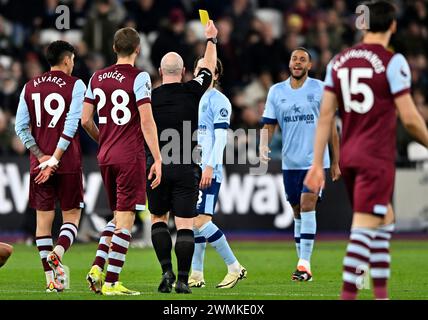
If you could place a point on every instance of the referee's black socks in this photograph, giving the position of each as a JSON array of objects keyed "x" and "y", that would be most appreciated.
[
  {"x": 184, "y": 247},
  {"x": 161, "y": 239}
]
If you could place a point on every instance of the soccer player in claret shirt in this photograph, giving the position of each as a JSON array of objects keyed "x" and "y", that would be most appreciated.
[
  {"x": 48, "y": 116},
  {"x": 121, "y": 94},
  {"x": 370, "y": 84}
]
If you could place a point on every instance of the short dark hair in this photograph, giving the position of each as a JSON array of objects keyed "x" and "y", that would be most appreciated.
[
  {"x": 57, "y": 50},
  {"x": 382, "y": 15},
  {"x": 305, "y": 50},
  {"x": 126, "y": 41}
]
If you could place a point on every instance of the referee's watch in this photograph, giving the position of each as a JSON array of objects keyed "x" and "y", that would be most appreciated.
[{"x": 213, "y": 40}]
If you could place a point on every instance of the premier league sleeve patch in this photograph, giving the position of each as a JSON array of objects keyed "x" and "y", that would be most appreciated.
[{"x": 224, "y": 113}]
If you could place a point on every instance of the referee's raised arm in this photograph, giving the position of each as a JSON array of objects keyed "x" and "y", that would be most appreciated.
[
  {"x": 203, "y": 78},
  {"x": 210, "y": 56}
]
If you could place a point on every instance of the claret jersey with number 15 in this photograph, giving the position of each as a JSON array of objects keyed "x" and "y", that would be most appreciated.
[
  {"x": 366, "y": 79},
  {"x": 117, "y": 92}
]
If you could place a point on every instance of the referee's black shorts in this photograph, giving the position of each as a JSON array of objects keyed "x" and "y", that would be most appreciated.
[{"x": 178, "y": 191}]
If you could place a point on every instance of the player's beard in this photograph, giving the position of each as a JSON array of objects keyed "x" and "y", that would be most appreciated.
[{"x": 304, "y": 74}]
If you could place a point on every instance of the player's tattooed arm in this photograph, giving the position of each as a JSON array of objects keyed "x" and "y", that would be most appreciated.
[{"x": 35, "y": 150}]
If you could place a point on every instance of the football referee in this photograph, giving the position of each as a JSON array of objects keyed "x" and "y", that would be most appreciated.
[{"x": 175, "y": 105}]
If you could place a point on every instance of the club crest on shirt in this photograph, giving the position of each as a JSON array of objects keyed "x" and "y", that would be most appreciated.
[
  {"x": 296, "y": 109},
  {"x": 311, "y": 97},
  {"x": 224, "y": 113},
  {"x": 202, "y": 129},
  {"x": 204, "y": 107},
  {"x": 403, "y": 73}
]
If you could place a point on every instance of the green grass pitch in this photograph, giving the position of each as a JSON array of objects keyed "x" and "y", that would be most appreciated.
[{"x": 269, "y": 266}]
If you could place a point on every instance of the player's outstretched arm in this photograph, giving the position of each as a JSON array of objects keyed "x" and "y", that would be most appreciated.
[
  {"x": 412, "y": 120},
  {"x": 315, "y": 177},
  {"x": 88, "y": 121},
  {"x": 150, "y": 131}
]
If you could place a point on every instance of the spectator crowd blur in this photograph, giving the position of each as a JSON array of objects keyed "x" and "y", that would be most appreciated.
[{"x": 255, "y": 37}]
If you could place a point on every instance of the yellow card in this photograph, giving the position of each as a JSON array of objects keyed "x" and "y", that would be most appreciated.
[{"x": 203, "y": 14}]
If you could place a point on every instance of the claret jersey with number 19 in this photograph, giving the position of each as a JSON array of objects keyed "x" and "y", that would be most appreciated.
[{"x": 46, "y": 103}]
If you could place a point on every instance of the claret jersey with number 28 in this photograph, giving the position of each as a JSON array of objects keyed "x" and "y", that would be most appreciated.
[{"x": 117, "y": 92}]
